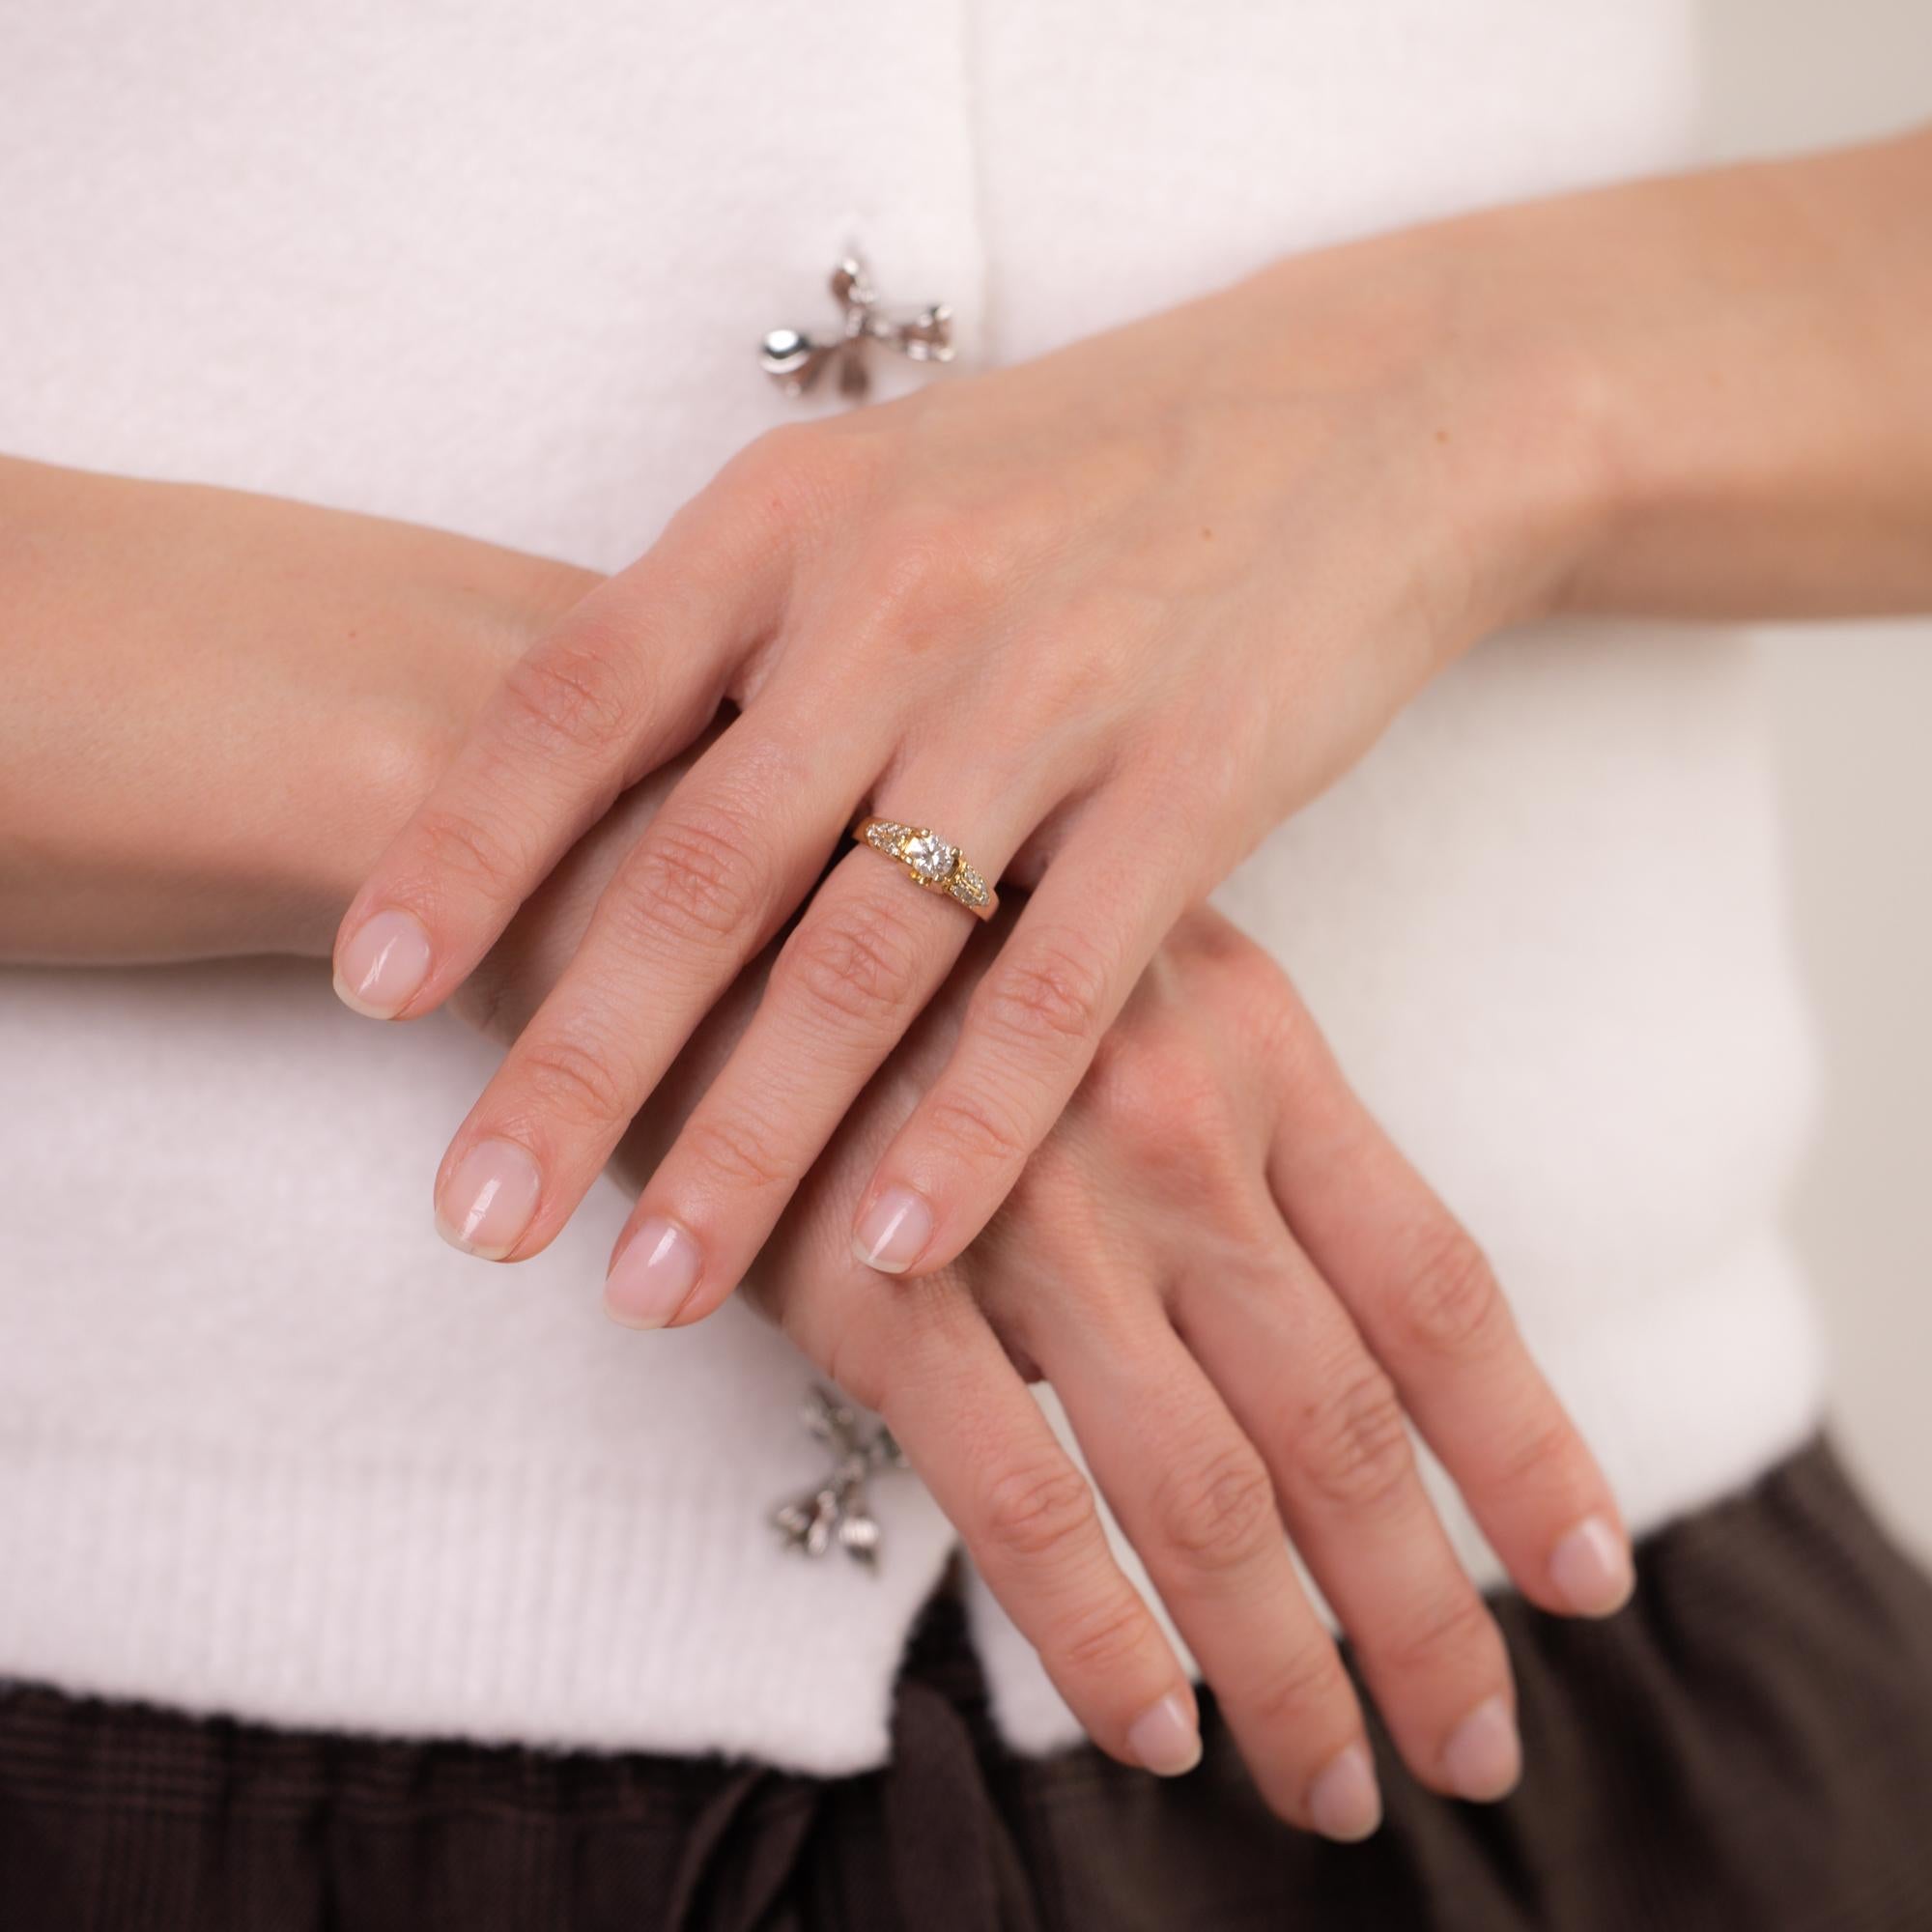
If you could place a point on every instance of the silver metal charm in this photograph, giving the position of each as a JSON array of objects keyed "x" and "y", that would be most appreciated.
[
  {"x": 794, "y": 362},
  {"x": 839, "y": 1510}
]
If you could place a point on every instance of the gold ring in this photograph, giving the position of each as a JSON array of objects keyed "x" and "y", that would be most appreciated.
[{"x": 929, "y": 861}]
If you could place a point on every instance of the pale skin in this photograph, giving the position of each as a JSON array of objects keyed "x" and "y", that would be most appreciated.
[
  {"x": 1103, "y": 619},
  {"x": 215, "y": 740},
  {"x": 1237, "y": 1286},
  {"x": 1136, "y": 601}
]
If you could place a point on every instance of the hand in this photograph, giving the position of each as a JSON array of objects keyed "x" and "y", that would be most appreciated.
[
  {"x": 220, "y": 706},
  {"x": 1235, "y": 1284},
  {"x": 1104, "y": 619}
]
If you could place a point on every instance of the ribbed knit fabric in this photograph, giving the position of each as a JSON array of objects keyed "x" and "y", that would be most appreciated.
[
  {"x": 1783, "y": 1614},
  {"x": 265, "y": 1445}
]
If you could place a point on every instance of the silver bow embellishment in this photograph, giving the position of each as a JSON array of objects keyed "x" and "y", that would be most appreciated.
[
  {"x": 794, "y": 362},
  {"x": 838, "y": 1509}
]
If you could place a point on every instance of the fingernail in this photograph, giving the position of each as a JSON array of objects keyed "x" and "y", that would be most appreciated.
[
  {"x": 1484, "y": 1756},
  {"x": 383, "y": 965},
  {"x": 1345, "y": 1802},
  {"x": 895, "y": 1230},
  {"x": 1165, "y": 1739},
  {"x": 649, "y": 1281},
  {"x": 1591, "y": 1568},
  {"x": 488, "y": 1200}
]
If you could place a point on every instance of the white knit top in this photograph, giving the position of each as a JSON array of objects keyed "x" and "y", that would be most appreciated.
[{"x": 265, "y": 1445}]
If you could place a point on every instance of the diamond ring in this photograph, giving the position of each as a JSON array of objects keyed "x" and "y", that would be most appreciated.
[{"x": 929, "y": 861}]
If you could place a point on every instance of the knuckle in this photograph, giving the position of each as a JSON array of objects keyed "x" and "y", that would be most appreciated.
[
  {"x": 1078, "y": 649},
  {"x": 1161, "y": 1101},
  {"x": 785, "y": 454},
  {"x": 466, "y": 848},
  {"x": 573, "y": 1080},
  {"x": 799, "y": 460},
  {"x": 1458, "y": 1626},
  {"x": 1128, "y": 1086},
  {"x": 1355, "y": 1444},
  {"x": 737, "y": 1153},
  {"x": 570, "y": 695},
  {"x": 1100, "y": 1639},
  {"x": 1217, "y": 1511},
  {"x": 851, "y": 963},
  {"x": 796, "y": 480},
  {"x": 975, "y": 1131},
  {"x": 697, "y": 873},
  {"x": 1031, "y": 1512},
  {"x": 1050, "y": 992},
  {"x": 1547, "y": 1449},
  {"x": 928, "y": 569},
  {"x": 1308, "y": 1681},
  {"x": 1446, "y": 1302}
]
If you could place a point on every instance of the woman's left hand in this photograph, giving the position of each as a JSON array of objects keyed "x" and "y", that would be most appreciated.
[
  {"x": 1103, "y": 618},
  {"x": 1238, "y": 1289}
]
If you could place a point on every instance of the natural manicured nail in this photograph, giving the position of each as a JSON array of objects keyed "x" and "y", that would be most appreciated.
[
  {"x": 384, "y": 962},
  {"x": 1591, "y": 1568},
  {"x": 1483, "y": 1758},
  {"x": 894, "y": 1231},
  {"x": 488, "y": 1200},
  {"x": 1345, "y": 1803},
  {"x": 1164, "y": 1738},
  {"x": 649, "y": 1281}
]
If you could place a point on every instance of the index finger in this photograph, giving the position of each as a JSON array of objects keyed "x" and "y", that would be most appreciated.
[{"x": 628, "y": 679}]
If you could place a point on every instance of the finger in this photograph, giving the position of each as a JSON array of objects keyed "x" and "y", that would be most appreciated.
[
  {"x": 868, "y": 953},
  {"x": 629, "y": 677},
  {"x": 727, "y": 856},
  {"x": 1030, "y": 1034},
  {"x": 1430, "y": 1308},
  {"x": 1028, "y": 1517},
  {"x": 1283, "y": 1355},
  {"x": 1198, "y": 1505}
]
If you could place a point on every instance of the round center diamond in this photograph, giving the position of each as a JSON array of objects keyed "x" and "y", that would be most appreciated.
[{"x": 931, "y": 858}]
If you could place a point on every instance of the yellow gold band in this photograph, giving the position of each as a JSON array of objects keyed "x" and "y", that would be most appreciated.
[{"x": 929, "y": 861}]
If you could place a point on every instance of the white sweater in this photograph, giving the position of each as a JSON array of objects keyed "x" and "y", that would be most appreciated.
[{"x": 266, "y": 1446}]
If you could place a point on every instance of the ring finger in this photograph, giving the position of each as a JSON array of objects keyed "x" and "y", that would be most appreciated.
[{"x": 868, "y": 952}]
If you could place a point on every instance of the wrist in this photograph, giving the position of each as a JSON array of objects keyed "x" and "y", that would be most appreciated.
[
  {"x": 1541, "y": 493},
  {"x": 224, "y": 705},
  {"x": 1736, "y": 385},
  {"x": 1492, "y": 415}
]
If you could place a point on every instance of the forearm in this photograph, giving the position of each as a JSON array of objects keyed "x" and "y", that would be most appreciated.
[
  {"x": 1702, "y": 396},
  {"x": 1762, "y": 348},
  {"x": 219, "y": 707}
]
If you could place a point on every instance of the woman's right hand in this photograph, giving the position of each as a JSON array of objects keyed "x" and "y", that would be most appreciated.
[{"x": 1238, "y": 1289}]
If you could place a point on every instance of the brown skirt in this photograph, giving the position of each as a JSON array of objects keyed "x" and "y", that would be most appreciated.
[{"x": 1749, "y": 1745}]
